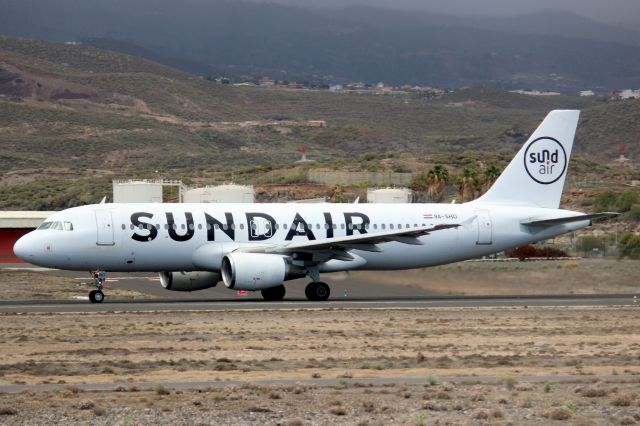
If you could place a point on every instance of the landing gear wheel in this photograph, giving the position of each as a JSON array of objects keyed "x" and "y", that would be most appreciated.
[
  {"x": 98, "y": 297},
  {"x": 317, "y": 291},
  {"x": 274, "y": 293}
]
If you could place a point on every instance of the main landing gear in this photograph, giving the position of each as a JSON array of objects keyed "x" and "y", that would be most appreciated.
[
  {"x": 274, "y": 293},
  {"x": 99, "y": 277},
  {"x": 317, "y": 291}
]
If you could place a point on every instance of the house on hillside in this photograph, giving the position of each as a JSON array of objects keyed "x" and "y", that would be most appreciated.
[{"x": 266, "y": 82}]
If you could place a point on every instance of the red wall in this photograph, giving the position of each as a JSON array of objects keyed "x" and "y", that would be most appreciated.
[{"x": 8, "y": 237}]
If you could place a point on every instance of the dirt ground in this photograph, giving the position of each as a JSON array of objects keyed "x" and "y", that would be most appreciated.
[{"x": 388, "y": 366}]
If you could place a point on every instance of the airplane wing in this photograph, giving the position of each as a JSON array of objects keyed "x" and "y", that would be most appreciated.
[
  {"x": 569, "y": 219},
  {"x": 337, "y": 248}
]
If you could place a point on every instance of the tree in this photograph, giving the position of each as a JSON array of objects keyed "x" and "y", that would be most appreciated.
[
  {"x": 491, "y": 174},
  {"x": 437, "y": 178},
  {"x": 433, "y": 182},
  {"x": 468, "y": 183}
]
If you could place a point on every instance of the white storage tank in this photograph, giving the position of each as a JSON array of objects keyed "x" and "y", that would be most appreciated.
[
  {"x": 389, "y": 195},
  {"x": 220, "y": 194},
  {"x": 137, "y": 191}
]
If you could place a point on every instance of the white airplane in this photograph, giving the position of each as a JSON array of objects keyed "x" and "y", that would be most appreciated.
[{"x": 260, "y": 246}]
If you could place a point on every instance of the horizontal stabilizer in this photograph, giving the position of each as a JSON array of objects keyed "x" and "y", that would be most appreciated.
[{"x": 570, "y": 219}]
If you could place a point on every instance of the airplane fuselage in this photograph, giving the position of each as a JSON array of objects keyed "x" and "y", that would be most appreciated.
[{"x": 166, "y": 237}]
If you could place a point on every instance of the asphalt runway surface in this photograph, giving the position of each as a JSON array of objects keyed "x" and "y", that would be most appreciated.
[{"x": 348, "y": 291}]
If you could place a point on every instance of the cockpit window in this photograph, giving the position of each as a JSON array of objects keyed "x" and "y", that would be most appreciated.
[{"x": 57, "y": 225}]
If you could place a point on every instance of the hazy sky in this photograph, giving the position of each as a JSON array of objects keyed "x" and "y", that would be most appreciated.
[{"x": 610, "y": 11}]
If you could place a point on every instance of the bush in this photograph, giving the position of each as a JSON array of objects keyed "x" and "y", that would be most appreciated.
[
  {"x": 629, "y": 246},
  {"x": 621, "y": 202},
  {"x": 528, "y": 251}
]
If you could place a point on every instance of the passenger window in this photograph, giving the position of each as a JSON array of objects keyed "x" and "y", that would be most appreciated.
[
  {"x": 375, "y": 226},
  {"x": 284, "y": 226},
  {"x": 199, "y": 226},
  {"x": 124, "y": 226},
  {"x": 191, "y": 226},
  {"x": 242, "y": 226},
  {"x": 317, "y": 226},
  {"x": 391, "y": 226},
  {"x": 342, "y": 226},
  {"x": 335, "y": 226}
]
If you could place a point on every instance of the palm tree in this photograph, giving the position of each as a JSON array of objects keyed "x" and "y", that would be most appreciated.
[
  {"x": 437, "y": 178},
  {"x": 491, "y": 174},
  {"x": 468, "y": 182}
]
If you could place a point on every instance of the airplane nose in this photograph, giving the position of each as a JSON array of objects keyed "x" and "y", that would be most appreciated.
[{"x": 23, "y": 248}]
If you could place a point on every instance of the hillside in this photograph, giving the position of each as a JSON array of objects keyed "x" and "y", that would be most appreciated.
[
  {"x": 69, "y": 111},
  {"x": 355, "y": 43}
]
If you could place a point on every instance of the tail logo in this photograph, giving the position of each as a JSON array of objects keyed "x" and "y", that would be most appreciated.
[{"x": 545, "y": 160}]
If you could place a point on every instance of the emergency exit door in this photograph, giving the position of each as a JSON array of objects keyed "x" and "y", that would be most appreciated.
[
  {"x": 104, "y": 223},
  {"x": 485, "y": 228}
]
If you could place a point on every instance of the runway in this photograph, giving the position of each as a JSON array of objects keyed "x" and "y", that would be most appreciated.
[{"x": 67, "y": 306}]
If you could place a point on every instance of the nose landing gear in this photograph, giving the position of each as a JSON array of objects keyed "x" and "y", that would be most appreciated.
[{"x": 99, "y": 277}]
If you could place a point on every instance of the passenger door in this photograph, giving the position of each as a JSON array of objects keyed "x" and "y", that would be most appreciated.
[{"x": 104, "y": 224}]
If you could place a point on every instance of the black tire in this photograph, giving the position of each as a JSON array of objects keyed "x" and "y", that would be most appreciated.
[
  {"x": 274, "y": 293},
  {"x": 310, "y": 290},
  {"x": 92, "y": 296},
  {"x": 98, "y": 297},
  {"x": 322, "y": 291},
  {"x": 317, "y": 291}
]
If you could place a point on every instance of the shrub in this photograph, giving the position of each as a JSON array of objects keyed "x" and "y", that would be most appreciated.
[
  {"x": 561, "y": 413},
  {"x": 509, "y": 382},
  {"x": 161, "y": 390},
  {"x": 432, "y": 380},
  {"x": 629, "y": 246},
  {"x": 529, "y": 251}
]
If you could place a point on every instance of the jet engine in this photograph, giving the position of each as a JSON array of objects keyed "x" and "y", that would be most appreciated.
[
  {"x": 254, "y": 271},
  {"x": 189, "y": 281}
]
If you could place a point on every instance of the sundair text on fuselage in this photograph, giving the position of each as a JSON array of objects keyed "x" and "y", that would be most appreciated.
[{"x": 259, "y": 226}]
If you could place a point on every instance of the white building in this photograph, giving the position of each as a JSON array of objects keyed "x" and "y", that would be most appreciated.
[
  {"x": 137, "y": 191},
  {"x": 220, "y": 194},
  {"x": 389, "y": 195}
]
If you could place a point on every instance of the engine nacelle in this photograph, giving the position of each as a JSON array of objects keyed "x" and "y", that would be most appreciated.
[
  {"x": 189, "y": 281},
  {"x": 253, "y": 271}
]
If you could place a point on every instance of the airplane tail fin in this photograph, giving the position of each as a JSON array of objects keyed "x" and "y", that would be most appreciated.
[{"x": 535, "y": 176}]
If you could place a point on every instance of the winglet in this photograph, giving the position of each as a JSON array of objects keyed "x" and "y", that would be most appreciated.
[{"x": 104, "y": 200}]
